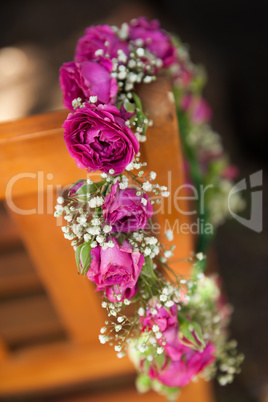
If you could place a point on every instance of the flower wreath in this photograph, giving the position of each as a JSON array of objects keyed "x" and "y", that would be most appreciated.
[{"x": 179, "y": 327}]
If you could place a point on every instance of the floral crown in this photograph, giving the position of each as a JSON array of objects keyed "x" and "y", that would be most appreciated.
[{"x": 178, "y": 328}]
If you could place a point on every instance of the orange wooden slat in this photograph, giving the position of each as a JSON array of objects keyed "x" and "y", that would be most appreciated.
[
  {"x": 28, "y": 319},
  {"x": 74, "y": 298},
  {"x": 17, "y": 274},
  {"x": 55, "y": 365},
  {"x": 163, "y": 154}
]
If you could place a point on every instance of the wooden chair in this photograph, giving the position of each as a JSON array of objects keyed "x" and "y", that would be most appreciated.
[{"x": 35, "y": 145}]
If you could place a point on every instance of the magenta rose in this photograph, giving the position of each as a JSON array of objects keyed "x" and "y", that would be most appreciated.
[
  {"x": 181, "y": 362},
  {"x": 186, "y": 364},
  {"x": 155, "y": 39},
  {"x": 124, "y": 210},
  {"x": 162, "y": 317},
  {"x": 101, "y": 39},
  {"x": 88, "y": 79},
  {"x": 116, "y": 270},
  {"x": 98, "y": 139},
  {"x": 197, "y": 108}
]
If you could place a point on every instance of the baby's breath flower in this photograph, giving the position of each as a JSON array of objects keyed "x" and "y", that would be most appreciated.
[
  {"x": 147, "y": 186},
  {"x": 141, "y": 311}
]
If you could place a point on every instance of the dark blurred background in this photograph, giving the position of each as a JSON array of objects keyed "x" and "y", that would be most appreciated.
[{"x": 230, "y": 39}]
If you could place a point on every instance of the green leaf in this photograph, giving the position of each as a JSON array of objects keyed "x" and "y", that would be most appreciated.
[
  {"x": 198, "y": 332},
  {"x": 186, "y": 333},
  {"x": 129, "y": 106},
  {"x": 85, "y": 256},
  {"x": 148, "y": 268},
  {"x": 77, "y": 257},
  {"x": 159, "y": 360},
  {"x": 143, "y": 383}
]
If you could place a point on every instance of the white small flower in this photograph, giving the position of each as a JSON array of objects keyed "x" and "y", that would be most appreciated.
[
  {"x": 99, "y": 52},
  {"x": 122, "y": 75},
  {"x": 104, "y": 304},
  {"x": 68, "y": 218},
  {"x": 144, "y": 201},
  {"x": 96, "y": 202},
  {"x": 140, "y": 52},
  {"x": 160, "y": 350},
  {"x": 200, "y": 256},
  {"x": 60, "y": 200},
  {"x": 93, "y": 99},
  {"x": 81, "y": 219},
  {"x": 138, "y": 236},
  {"x": 147, "y": 186},
  {"x": 158, "y": 335},
  {"x": 152, "y": 175},
  {"x": 123, "y": 33},
  {"x": 104, "y": 175},
  {"x": 122, "y": 57},
  {"x": 120, "y": 355},
  {"x": 147, "y": 79},
  {"x": 169, "y": 235},
  {"x": 142, "y": 348},
  {"x": 59, "y": 208},
  {"x": 127, "y": 302},
  {"x": 103, "y": 338},
  {"x": 129, "y": 86},
  {"x": 94, "y": 231},
  {"x": 156, "y": 250},
  {"x": 117, "y": 348},
  {"x": 123, "y": 185},
  {"x": 103, "y": 330},
  {"x": 120, "y": 319},
  {"x": 165, "y": 194},
  {"x": 141, "y": 311},
  {"x": 65, "y": 229},
  {"x": 107, "y": 228},
  {"x": 89, "y": 181},
  {"x": 169, "y": 303},
  {"x": 69, "y": 236},
  {"x": 95, "y": 222},
  {"x": 87, "y": 237},
  {"x": 155, "y": 328},
  {"x": 110, "y": 244},
  {"x": 118, "y": 328},
  {"x": 150, "y": 240},
  {"x": 147, "y": 251},
  {"x": 94, "y": 244},
  {"x": 132, "y": 64},
  {"x": 163, "y": 298},
  {"x": 168, "y": 253},
  {"x": 100, "y": 239}
]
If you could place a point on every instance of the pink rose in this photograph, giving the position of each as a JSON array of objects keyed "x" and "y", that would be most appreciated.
[
  {"x": 197, "y": 108},
  {"x": 163, "y": 318},
  {"x": 155, "y": 39},
  {"x": 88, "y": 79},
  {"x": 101, "y": 39},
  {"x": 182, "y": 362},
  {"x": 116, "y": 270},
  {"x": 124, "y": 210},
  {"x": 98, "y": 139},
  {"x": 179, "y": 371}
]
